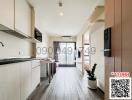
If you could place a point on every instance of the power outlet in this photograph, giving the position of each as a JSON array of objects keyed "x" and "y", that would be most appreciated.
[{"x": 20, "y": 53}]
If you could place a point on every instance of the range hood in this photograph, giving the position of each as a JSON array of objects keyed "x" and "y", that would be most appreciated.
[{"x": 13, "y": 32}]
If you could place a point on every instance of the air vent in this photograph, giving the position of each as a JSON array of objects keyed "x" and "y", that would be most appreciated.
[{"x": 67, "y": 36}]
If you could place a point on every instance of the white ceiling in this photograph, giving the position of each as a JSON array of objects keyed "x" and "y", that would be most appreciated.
[{"x": 76, "y": 13}]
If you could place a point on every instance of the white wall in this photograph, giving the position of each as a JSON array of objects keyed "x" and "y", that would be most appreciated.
[
  {"x": 45, "y": 39},
  {"x": 14, "y": 47},
  {"x": 97, "y": 41},
  {"x": 41, "y": 54},
  {"x": 43, "y": 44},
  {"x": 79, "y": 44}
]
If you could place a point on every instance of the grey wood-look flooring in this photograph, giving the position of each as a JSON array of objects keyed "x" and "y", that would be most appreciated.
[{"x": 70, "y": 84}]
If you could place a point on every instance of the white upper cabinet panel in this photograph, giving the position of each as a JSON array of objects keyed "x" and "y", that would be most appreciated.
[
  {"x": 23, "y": 17},
  {"x": 7, "y": 13}
]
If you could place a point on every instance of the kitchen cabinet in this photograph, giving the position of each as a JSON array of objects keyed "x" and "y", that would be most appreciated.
[
  {"x": 9, "y": 82},
  {"x": 23, "y": 17},
  {"x": 25, "y": 76},
  {"x": 126, "y": 36},
  {"x": 19, "y": 80},
  {"x": 7, "y": 13},
  {"x": 109, "y": 61},
  {"x": 35, "y": 73},
  {"x": 119, "y": 18},
  {"x": 117, "y": 34},
  {"x": 37, "y": 20}
]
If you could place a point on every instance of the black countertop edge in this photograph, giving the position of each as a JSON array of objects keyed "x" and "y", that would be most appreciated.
[{"x": 14, "y": 60}]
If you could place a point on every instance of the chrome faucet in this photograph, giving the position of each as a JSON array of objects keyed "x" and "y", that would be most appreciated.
[{"x": 2, "y": 44}]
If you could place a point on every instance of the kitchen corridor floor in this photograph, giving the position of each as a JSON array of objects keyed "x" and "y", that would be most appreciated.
[{"x": 69, "y": 84}]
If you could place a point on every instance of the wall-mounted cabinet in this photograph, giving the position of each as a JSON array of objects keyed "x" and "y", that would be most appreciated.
[
  {"x": 37, "y": 22},
  {"x": 15, "y": 18},
  {"x": 23, "y": 17},
  {"x": 7, "y": 13}
]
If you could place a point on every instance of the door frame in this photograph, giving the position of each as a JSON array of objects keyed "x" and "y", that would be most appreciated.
[{"x": 66, "y": 65}]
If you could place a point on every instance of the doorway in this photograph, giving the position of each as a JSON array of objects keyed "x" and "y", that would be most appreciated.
[{"x": 65, "y": 53}]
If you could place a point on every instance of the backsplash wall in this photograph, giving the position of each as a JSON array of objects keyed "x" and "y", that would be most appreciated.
[{"x": 14, "y": 47}]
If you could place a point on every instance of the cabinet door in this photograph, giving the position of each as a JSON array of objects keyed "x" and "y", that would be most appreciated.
[
  {"x": 9, "y": 82},
  {"x": 7, "y": 13},
  {"x": 23, "y": 17},
  {"x": 25, "y": 76},
  {"x": 117, "y": 36},
  {"x": 37, "y": 20},
  {"x": 109, "y": 61},
  {"x": 127, "y": 36},
  {"x": 35, "y": 77}
]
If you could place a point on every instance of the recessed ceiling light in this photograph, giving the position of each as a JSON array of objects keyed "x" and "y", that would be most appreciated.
[
  {"x": 61, "y": 13},
  {"x": 60, "y": 3}
]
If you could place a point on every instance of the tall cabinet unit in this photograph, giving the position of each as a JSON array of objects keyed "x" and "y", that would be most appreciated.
[
  {"x": 23, "y": 17},
  {"x": 119, "y": 18},
  {"x": 109, "y": 61},
  {"x": 127, "y": 36},
  {"x": 7, "y": 13},
  {"x": 117, "y": 36}
]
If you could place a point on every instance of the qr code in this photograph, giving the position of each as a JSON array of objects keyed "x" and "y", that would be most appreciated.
[{"x": 120, "y": 88}]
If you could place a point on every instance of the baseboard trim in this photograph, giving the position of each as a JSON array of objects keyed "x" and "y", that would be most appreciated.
[{"x": 101, "y": 90}]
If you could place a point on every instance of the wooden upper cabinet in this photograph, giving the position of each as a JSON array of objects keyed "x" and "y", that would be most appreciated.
[
  {"x": 23, "y": 17},
  {"x": 7, "y": 13}
]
